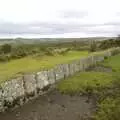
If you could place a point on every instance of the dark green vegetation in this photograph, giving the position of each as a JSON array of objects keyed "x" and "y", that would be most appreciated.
[
  {"x": 16, "y": 51},
  {"x": 104, "y": 85},
  {"x": 105, "y": 44},
  {"x": 19, "y": 48}
]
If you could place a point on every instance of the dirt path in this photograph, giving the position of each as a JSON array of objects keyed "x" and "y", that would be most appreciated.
[{"x": 52, "y": 106}]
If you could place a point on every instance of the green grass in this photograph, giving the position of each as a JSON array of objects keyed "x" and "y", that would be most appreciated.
[
  {"x": 106, "y": 85},
  {"x": 109, "y": 107},
  {"x": 113, "y": 62},
  {"x": 86, "y": 82},
  {"x": 15, "y": 68}
]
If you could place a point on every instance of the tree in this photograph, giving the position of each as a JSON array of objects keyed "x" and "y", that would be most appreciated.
[
  {"x": 93, "y": 46},
  {"x": 6, "y": 48}
]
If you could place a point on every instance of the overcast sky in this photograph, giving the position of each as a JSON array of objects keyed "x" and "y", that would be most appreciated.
[{"x": 59, "y": 18}]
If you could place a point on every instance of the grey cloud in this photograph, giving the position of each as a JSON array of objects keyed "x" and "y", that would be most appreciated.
[
  {"x": 45, "y": 28},
  {"x": 74, "y": 14},
  {"x": 118, "y": 13},
  {"x": 113, "y": 24},
  {"x": 114, "y": 31}
]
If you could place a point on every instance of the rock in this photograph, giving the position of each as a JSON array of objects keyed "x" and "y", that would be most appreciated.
[
  {"x": 30, "y": 84},
  {"x": 13, "y": 90},
  {"x": 59, "y": 72},
  {"x": 42, "y": 79},
  {"x": 51, "y": 76}
]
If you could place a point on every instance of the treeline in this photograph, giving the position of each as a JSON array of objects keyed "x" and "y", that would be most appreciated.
[
  {"x": 110, "y": 43},
  {"x": 8, "y": 51},
  {"x": 105, "y": 44},
  {"x": 17, "y": 51}
]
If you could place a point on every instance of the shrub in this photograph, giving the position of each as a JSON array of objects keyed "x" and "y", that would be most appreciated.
[
  {"x": 49, "y": 52},
  {"x": 6, "y": 48},
  {"x": 93, "y": 46},
  {"x": 110, "y": 43},
  {"x": 4, "y": 58},
  {"x": 63, "y": 52},
  {"x": 115, "y": 52}
]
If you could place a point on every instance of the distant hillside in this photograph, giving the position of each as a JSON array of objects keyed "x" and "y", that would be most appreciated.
[{"x": 38, "y": 40}]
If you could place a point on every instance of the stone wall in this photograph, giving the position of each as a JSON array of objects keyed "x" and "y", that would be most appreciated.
[{"x": 20, "y": 90}]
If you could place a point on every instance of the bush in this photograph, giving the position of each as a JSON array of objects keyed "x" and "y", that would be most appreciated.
[
  {"x": 115, "y": 52},
  {"x": 82, "y": 48},
  {"x": 110, "y": 43},
  {"x": 64, "y": 51},
  {"x": 93, "y": 46},
  {"x": 49, "y": 52},
  {"x": 4, "y": 58},
  {"x": 6, "y": 48},
  {"x": 19, "y": 54}
]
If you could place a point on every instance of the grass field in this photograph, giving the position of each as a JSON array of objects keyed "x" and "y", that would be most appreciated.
[
  {"x": 94, "y": 80},
  {"x": 113, "y": 62},
  {"x": 32, "y": 63},
  {"x": 86, "y": 82},
  {"x": 105, "y": 85}
]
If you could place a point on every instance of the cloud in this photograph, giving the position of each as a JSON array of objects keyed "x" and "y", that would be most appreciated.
[
  {"x": 68, "y": 21},
  {"x": 59, "y": 17},
  {"x": 118, "y": 13},
  {"x": 74, "y": 14},
  {"x": 113, "y": 24},
  {"x": 45, "y": 28}
]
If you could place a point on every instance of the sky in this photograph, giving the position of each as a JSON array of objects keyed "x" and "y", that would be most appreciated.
[{"x": 59, "y": 18}]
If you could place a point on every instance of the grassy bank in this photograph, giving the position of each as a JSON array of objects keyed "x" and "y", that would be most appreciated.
[
  {"x": 86, "y": 82},
  {"x": 105, "y": 85},
  {"x": 113, "y": 62},
  {"x": 35, "y": 63}
]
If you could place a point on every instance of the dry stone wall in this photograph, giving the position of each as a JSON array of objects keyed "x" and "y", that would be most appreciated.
[
  {"x": 18, "y": 91},
  {"x": 66, "y": 70},
  {"x": 30, "y": 85},
  {"x": 42, "y": 80}
]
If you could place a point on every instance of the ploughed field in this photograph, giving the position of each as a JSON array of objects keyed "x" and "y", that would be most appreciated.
[
  {"x": 93, "y": 94},
  {"x": 35, "y": 63}
]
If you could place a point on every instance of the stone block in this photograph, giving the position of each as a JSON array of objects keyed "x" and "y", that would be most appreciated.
[
  {"x": 42, "y": 79},
  {"x": 59, "y": 72},
  {"x": 76, "y": 66},
  {"x": 13, "y": 89},
  {"x": 66, "y": 70},
  {"x": 1, "y": 101},
  {"x": 81, "y": 66},
  {"x": 51, "y": 76},
  {"x": 72, "y": 68},
  {"x": 30, "y": 83}
]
